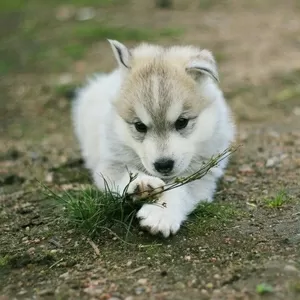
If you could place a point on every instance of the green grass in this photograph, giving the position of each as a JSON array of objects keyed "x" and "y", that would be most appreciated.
[
  {"x": 95, "y": 212},
  {"x": 95, "y": 3},
  {"x": 264, "y": 288},
  {"x": 286, "y": 89},
  {"x": 295, "y": 286},
  {"x": 278, "y": 200},
  {"x": 164, "y": 3},
  {"x": 75, "y": 51},
  {"x": 67, "y": 91},
  {"x": 12, "y": 5},
  {"x": 49, "y": 45},
  {"x": 71, "y": 43},
  {"x": 96, "y": 32},
  {"x": 211, "y": 216},
  {"x": 16, "y": 5},
  {"x": 4, "y": 260}
]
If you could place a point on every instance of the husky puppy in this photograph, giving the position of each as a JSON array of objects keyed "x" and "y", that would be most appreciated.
[{"x": 159, "y": 115}]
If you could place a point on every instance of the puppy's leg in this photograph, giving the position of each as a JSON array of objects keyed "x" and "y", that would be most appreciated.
[
  {"x": 173, "y": 207},
  {"x": 118, "y": 180}
]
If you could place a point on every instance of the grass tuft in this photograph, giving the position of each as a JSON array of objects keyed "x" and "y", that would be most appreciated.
[
  {"x": 4, "y": 260},
  {"x": 94, "y": 211},
  {"x": 279, "y": 200},
  {"x": 264, "y": 288}
]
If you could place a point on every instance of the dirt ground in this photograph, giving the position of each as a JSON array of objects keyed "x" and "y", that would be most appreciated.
[{"x": 247, "y": 247}]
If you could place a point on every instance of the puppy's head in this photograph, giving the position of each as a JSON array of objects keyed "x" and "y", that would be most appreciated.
[{"x": 163, "y": 105}]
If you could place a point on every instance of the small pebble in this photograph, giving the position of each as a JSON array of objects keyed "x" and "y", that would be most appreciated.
[
  {"x": 64, "y": 13},
  {"x": 64, "y": 275},
  {"x": 290, "y": 269},
  {"x": 22, "y": 292},
  {"x": 34, "y": 155},
  {"x": 296, "y": 111},
  {"x": 129, "y": 263},
  {"x": 209, "y": 285},
  {"x": 273, "y": 134},
  {"x": 31, "y": 250},
  {"x": 93, "y": 291},
  {"x": 217, "y": 293},
  {"x": 85, "y": 13},
  {"x": 246, "y": 169},
  {"x": 271, "y": 162},
  {"x": 187, "y": 258},
  {"x": 204, "y": 292},
  {"x": 179, "y": 285},
  {"x": 230, "y": 178},
  {"x": 65, "y": 78},
  {"x": 142, "y": 281},
  {"x": 139, "y": 290},
  {"x": 49, "y": 178}
]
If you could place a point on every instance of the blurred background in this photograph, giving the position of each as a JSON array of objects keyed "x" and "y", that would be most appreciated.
[{"x": 49, "y": 47}]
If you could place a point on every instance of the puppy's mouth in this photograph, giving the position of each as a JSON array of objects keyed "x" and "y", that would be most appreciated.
[
  {"x": 167, "y": 177},
  {"x": 164, "y": 176}
]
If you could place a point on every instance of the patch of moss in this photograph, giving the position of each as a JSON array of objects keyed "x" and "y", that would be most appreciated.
[
  {"x": 4, "y": 260},
  {"x": 264, "y": 288},
  {"x": 211, "y": 216}
]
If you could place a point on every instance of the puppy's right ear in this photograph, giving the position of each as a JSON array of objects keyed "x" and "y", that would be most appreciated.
[
  {"x": 203, "y": 64},
  {"x": 121, "y": 53}
]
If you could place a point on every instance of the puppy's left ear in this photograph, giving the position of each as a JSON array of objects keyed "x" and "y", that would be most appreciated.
[
  {"x": 122, "y": 54},
  {"x": 203, "y": 64}
]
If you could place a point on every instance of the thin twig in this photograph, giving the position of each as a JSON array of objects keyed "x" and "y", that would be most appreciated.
[
  {"x": 137, "y": 270},
  {"x": 94, "y": 246},
  {"x": 213, "y": 162},
  {"x": 57, "y": 262}
]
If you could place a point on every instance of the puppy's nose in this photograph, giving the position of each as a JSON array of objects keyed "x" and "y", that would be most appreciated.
[{"x": 164, "y": 165}]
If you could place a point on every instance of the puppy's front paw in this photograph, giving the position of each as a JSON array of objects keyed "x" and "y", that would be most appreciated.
[
  {"x": 144, "y": 187},
  {"x": 158, "y": 218}
]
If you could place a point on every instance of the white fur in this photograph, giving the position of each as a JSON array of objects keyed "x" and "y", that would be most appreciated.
[{"x": 109, "y": 150}]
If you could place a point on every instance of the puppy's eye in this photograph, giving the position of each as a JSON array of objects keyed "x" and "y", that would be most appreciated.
[
  {"x": 140, "y": 127},
  {"x": 181, "y": 123}
]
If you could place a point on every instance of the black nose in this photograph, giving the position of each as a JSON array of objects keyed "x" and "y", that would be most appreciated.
[{"x": 164, "y": 165}]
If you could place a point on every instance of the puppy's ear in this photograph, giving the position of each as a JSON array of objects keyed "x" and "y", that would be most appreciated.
[
  {"x": 203, "y": 64},
  {"x": 121, "y": 53}
]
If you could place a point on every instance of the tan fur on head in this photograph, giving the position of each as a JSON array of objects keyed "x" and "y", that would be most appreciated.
[
  {"x": 158, "y": 78},
  {"x": 156, "y": 85}
]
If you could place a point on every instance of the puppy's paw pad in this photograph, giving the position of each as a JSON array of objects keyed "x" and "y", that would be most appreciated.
[
  {"x": 158, "y": 219},
  {"x": 144, "y": 186}
]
